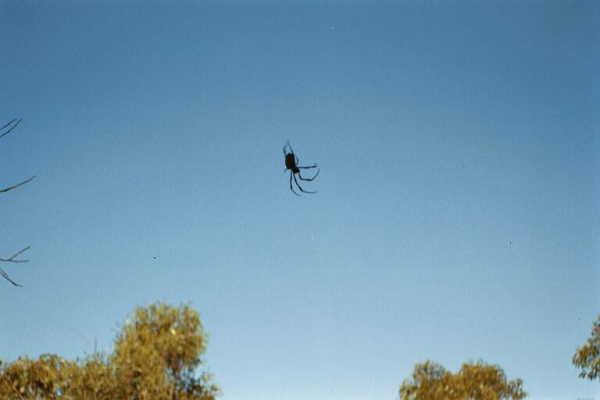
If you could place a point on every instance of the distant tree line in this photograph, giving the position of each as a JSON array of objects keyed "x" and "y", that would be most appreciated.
[
  {"x": 474, "y": 381},
  {"x": 480, "y": 381},
  {"x": 155, "y": 358},
  {"x": 158, "y": 351}
]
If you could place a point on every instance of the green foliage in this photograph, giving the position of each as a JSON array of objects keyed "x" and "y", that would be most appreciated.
[
  {"x": 587, "y": 357},
  {"x": 160, "y": 349},
  {"x": 479, "y": 381},
  {"x": 91, "y": 378},
  {"x": 155, "y": 358},
  {"x": 45, "y": 378}
]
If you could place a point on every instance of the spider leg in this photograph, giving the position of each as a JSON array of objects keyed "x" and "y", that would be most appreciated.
[
  {"x": 291, "y": 187},
  {"x": 300, "y": 187},
  {"x": 309, "y": 167},
  {"x": 308, "y": 179},
  {"x": 289, "y": 146}
]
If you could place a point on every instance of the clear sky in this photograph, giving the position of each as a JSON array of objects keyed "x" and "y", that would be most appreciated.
[{"x": 457, "y": 216}]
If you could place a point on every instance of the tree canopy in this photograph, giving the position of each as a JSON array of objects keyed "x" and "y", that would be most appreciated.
[
  {"x": 587, "y": 357},
  {"x": 474, "y": 381},
  {"x": 155, "y": 358}
]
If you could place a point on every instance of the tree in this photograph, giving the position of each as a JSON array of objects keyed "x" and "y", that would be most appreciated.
[
  {"x": 587, "y": 357},
  {"x": 156, "y": 355},
  {"x": 155, "y": 358},
  {"x": 28, "y": 379},
  {"x": 474, "y": 381},
  {"x": 5, "y": 130}
]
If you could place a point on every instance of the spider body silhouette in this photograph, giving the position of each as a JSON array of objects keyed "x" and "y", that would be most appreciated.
[{"x": 291, "y": 164}]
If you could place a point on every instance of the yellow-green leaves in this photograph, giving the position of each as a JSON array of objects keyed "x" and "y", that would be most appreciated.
[
  {"x": 478, "y": 381},
  {"x": 45, "y": 378},
  {"x": 155, "y": 358},
  {"x": 587, "y": 357}
]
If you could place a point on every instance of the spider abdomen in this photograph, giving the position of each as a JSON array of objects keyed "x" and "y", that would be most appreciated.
[{"x": 290, "y": 162}]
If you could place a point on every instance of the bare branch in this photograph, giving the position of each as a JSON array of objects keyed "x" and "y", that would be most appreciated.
[
  {"x": 13, "y": 259},
  {"x": 17, "y": 185},
  {"x": 8, "y": 123},
  {"x": 14, "y": 256},
  {"x": 12, "y": 124},
  {"x": 5, "y": 130},
  {"x": 8, "y": 127},
  {"x": 5, "y": 276}
]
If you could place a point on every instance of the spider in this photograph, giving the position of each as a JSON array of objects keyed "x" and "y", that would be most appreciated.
[{"x": 291, "y": 163}]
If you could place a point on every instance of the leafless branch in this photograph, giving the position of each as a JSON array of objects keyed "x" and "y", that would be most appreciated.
[
  {"x": 13, "y": 259},
  {"x": 5, "y": 275},
  {"x": 12, "y": 124},
  {"x": 17, "y": 185},
  {"x": 8, "y": 128},
  {"x": 5, "y": 130},
  {"x": 14, "y": 256}
]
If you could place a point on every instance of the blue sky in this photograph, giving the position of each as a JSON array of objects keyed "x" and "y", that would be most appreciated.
[{"x": 457, "y": 211}]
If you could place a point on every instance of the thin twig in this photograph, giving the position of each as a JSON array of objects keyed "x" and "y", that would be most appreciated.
[
  {"x": 13, "y": 259},
  {"x": 14, "y": 256},
  {"x": 5, "y": 276},
  {"x": 14, "y": 122},
  {"x": 11, "y": 125},
  {"x": 17, "y": 185},
  {"x": 8, "y": 123}
]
